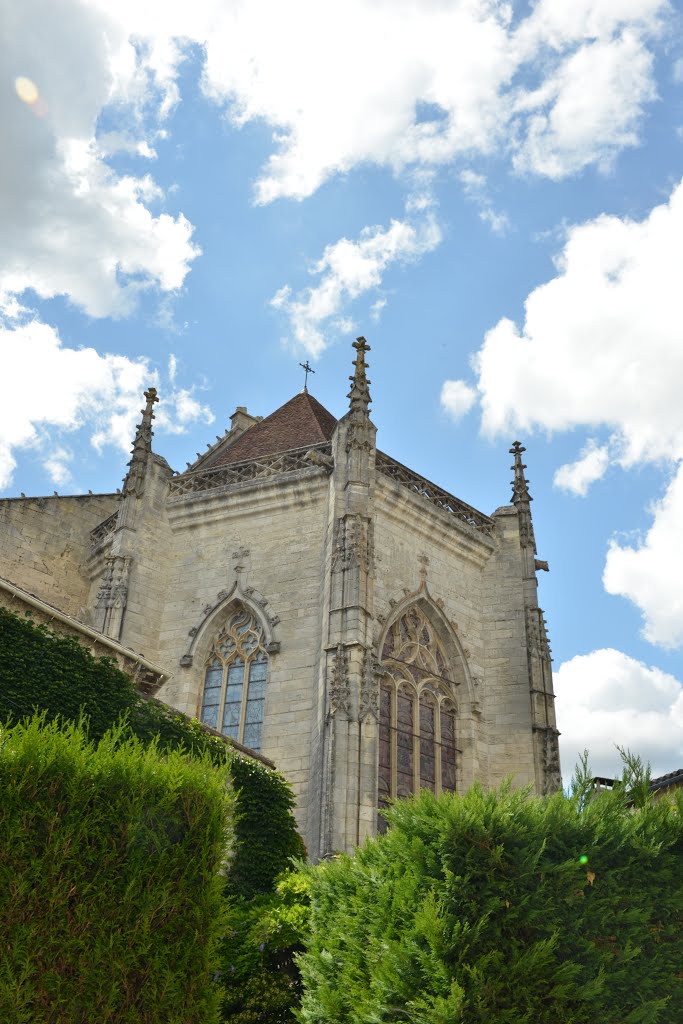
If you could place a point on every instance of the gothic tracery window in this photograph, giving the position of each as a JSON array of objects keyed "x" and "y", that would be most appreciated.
[
  {"x": 417, "y": 734},
  {"x": 235, "y": 680}
]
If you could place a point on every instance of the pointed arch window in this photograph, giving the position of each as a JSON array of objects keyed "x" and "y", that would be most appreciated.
[
  {"x": 417, "y": 713},
  {"x": 235, "y": 680}
]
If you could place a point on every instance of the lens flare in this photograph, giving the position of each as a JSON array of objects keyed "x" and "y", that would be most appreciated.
[
  {"x": 26, "y": 90},
  {"x": 583, "y": 859}
]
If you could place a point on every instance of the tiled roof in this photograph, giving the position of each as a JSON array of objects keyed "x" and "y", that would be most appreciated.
[
  {"x": 298, "y": 423},
  {"x": 667, "y": 780}
]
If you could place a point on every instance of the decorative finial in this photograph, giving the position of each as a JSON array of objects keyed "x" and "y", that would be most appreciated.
[
  {"x": 520, "y": 486},
  {"x": 142, "y": 445},
  {"x": 309, "y": 369},
  {"x": 360, "y": 391}
]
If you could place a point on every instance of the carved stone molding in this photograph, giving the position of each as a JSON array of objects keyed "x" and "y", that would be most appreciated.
[
  {"x": 369, "y": 690},
  {"x": 353, "y": 544},
  {"x": 340, "y": 691},
  {"x": 537, "y": 638},
  {"x": 552, "y": 776},
  {"x": 250, "y": 597}
]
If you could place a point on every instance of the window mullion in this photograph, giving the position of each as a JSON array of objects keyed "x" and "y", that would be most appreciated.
[
  {"x": 245, "y": 694},
  {"x": 437, "y": 745}
]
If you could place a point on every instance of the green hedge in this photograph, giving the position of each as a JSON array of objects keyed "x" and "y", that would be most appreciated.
[
  {"x": 502, "y": 909},
  {"x": 110, "y": 854},
  {"x": 42, "y": 670}
]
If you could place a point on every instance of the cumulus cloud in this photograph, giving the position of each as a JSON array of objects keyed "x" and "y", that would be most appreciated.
[
  {"x": 600, "y": 344},
  {"x": 650, "y": 573},
  {"x": 589, "y": 467},
  {"x": 606, "y": 698},
  {"x": 600, "y": 347},
  {"x": 475, "y": 188},
  {"x": 52, "y": 390},
  {"x": 457, "y": 398},
  {"x": 71, "y": 225},
  {"x": 460, "y": 61},
  {"x": 346, "y": 270}
]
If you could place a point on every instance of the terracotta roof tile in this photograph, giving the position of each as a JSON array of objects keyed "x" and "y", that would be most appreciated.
[{"x": 298, "y": 423}]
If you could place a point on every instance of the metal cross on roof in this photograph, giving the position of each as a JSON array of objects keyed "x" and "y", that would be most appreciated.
[{"x": 308, "y": 369}]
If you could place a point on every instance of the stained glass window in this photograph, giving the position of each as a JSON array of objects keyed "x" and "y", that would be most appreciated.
[
  {"x": 417, "y": 719},
  {"x": 235, "y": 680}
]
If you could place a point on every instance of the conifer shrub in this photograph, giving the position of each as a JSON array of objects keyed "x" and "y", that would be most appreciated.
[
  {"x": 257, "y": 980},
  {"x": 498, "y": 908},
  {"x": 110, "y": 860}
]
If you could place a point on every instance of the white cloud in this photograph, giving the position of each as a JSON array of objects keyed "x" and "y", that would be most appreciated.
[
  {"x": 588, "y": 110},
  {"x": 600, "y": 344},
  {"x": 475, "y": 188},
  {"x": 446, "y": 85},
  {"x": 606, "y": 698},
  {"x": 589, "y": 467},
  {"x": 347, "y": 269},
  {"x": 71, "y": 225},
  {"x": 600, "y": 347},
  {"x": 650, "y": 573},
  {"x": 56, "y": 465},
  {"x": 457, "y": 398},
  {"x": 51, "y": 389},
  {"x": 459, "y": 60}
]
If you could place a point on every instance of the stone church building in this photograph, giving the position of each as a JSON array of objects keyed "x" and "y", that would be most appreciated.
[{"x": 317, "y": 601}]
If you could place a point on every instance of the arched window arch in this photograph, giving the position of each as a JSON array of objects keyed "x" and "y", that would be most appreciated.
[
  {"x": 417, "y": 719},
  {"x": 235, "y": 679}
]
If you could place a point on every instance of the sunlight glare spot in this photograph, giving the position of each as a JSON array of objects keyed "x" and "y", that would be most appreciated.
[{"x": 27, "y": 90}]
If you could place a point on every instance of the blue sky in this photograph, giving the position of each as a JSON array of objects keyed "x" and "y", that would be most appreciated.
[{"x": 202, "y": 196}]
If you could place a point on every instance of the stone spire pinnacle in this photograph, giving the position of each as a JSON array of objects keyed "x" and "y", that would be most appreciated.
[
  {"x": 359, "y": 394},
  {"x": 142, "y": 446},
  {"x": 520, "y": 485},
  {"x": 521, "y": 497}
]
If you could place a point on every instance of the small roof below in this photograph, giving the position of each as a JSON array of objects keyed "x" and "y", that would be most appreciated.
[{"x": 300, "y": 422}]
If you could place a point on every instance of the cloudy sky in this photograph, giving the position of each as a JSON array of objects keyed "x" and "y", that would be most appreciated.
[{"x": 203, "y": 195}]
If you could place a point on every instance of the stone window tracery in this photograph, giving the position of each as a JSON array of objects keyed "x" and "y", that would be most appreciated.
[
  {"x": 417, "y": 727},
  {"x": 235, "y": 680}
]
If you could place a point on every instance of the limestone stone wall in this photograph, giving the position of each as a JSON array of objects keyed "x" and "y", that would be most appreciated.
[
  {"x": 262, "y": 543},
  {"x": 477, "y": 583},
  {"x": 45, "y": 546}
]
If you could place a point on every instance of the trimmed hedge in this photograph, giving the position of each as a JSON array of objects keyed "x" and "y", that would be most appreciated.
[
  {"x": 497, "y": 908},
  {"x": 110, "y": 859},
  {"x": 40, "y": 669}
]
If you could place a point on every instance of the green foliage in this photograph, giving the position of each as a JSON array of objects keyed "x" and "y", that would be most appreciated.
[
  {"x": 497, "y": 908},
  {"x": 110, "y": 856},
  {"x": 267, "y": 839},
  {"x": 45, "y": 671},
  {"x": 258, "y": 954},
  {"x": 39, "y": 669}
]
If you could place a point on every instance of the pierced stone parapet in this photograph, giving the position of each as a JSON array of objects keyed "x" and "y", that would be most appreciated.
[
  {"x": 312, "y": 459},
  {"x": 426, "y": 489},
  {"x": 102, "y": 532}
]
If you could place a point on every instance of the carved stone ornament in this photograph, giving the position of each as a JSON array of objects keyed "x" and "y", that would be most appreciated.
[
  {"x": 552, "y": 776},
  {"x": 537, "y": 638},
  {"x": 247, "y": 596},
  {"x": 113, "y": 590},
  {"x": 353, "y": 546},
  {"x": 369, "y": 691},
  {"x": 340, "y": 692}
]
